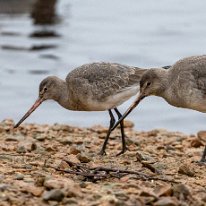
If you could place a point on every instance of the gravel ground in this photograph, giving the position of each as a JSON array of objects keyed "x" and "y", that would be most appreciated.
[{"x": 60, "y": 165}]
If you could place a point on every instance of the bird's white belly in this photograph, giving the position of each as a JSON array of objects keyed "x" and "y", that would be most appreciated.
[{"x": 111, "y": 101}]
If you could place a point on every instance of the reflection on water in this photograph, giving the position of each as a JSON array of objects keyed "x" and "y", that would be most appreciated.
[
  {"x": 12, "y": 7},
  {"x": 141, "y": 33},
  {"x": 44, "y": 12}
]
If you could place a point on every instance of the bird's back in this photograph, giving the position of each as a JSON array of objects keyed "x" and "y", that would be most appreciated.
[
  {"x": 101, "y": 86},
  {"x": 188, "y": 83}
]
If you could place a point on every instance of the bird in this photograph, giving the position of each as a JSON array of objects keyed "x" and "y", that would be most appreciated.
[
  {"x": 182, "y": 85},
  {"x": 95, "y": 86}
]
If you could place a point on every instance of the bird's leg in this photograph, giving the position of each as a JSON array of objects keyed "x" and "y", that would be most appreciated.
[
  {"x": 203, "y": 160},
  {"x": 124, "y": 147},
  {"x": 112, "y": 121}
]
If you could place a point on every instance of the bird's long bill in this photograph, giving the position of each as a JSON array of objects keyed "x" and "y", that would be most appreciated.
[
  {"x": 35, "y": 105},
  {"x": 136, "y": 102}
]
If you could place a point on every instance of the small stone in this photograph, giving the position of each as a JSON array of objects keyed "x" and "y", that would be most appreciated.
[
  {"x": 7, "y": 124},
  {"x": 147, "y": 193},
  {"x": 83, "y": 158},
  {"x": 166, "y": 201},
  {"x": 128, "y": 124},
  {"x": 39, "y": 180},
  {"x": 159, "y": 166},
  {"x": 186, "y": 170},
  {"x": 67, "y": 140},
  {"x": 70, "y": 201},
  {"x": 14, "y": 138},
  {"x": 109, "y": 200},
  {"x": 36, "y": 191},
  {"x": 196, "y": 143},
  {"x": 19, "y": 177},
  {"x": 62, "y": 127},
  {"x": 55, "y": 195},
  {"x": 40, "y": 137},
  {"x": 73, "y": 158},
  {"x": 163, "y": 190},
  {"x": 21, "y": 149},
  {"x": 71, "y": 189},
  {"x": 29, "y": 145},
  {"x": 144, "y": 157},
  {"x": 3, "y": 187},
  {"x": 53, "y": 184},
  {"x": 181, "y": 190},
  {"x": 204, "y": 198},
  {"x": 74, "y": 150},
  {"x": 202, "y": 135}
]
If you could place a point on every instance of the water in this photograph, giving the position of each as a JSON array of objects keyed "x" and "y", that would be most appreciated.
[{"x": 141, "y": 33}]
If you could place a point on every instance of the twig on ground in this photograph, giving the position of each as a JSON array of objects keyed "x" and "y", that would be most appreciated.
[{"x": 99, "y": 173}]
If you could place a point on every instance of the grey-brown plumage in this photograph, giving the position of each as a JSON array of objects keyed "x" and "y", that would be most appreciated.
[
  {"x": 92, "y": 87},
  {"x": 183, "y": 85}
]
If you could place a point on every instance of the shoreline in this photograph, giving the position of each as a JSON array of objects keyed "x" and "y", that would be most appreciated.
[{"x": 30, "y": 154}]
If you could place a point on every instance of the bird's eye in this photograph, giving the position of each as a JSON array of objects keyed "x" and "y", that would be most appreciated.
[
  {"x": 45, "y": 89},
  {"x": 148, "y": 84}
]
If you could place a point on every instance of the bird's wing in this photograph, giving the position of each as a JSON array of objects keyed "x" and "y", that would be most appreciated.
[
  {"x": 191, "y": 72},
  {"x": 102, "y": 80}
]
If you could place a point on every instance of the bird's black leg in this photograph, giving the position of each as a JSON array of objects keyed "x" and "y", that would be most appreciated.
[
  {"x": 203, "y": 160},
  {"x": 112, "y": 121},
  {"x": 124, "y": 147}
]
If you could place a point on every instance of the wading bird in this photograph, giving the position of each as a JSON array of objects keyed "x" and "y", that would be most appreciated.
[
  {"x": 183, "y": 85},
  {"x": 92, "y": 87}
]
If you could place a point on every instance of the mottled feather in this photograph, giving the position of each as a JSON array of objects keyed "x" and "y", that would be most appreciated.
[{"x": 98, "y": 82}]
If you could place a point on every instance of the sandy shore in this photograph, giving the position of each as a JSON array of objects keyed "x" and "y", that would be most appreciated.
[{"x": 59, "y": 165}]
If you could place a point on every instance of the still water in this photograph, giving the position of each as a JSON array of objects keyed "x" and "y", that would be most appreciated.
[{"x": 141, "y": 33}]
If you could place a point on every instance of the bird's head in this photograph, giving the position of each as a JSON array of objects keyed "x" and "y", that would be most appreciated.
[
  {"x": 151, "y": 83},
  {"x": 48, "y": 89}
]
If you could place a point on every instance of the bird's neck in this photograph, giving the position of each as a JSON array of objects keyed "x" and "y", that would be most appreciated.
[
  {"x": 164, "y": 81},
  {"x": 64, "y": 99},
  {"x": 167, "y": 81}
]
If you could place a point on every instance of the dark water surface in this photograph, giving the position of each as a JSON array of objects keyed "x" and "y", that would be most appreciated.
[{"x": 143, "y": 33}]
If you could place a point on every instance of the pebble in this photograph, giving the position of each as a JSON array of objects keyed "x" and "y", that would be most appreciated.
[
  {"x": 147, "y": 193},
  {"x": 62, "y": 127},
  {"x": 3, "y": 187},
  {"x": 202, "y": 135},
  {"x": 71, "y": 189},
  {"x": 74, "y": 150},
  {"x": 39, "y": 180},
  {"x": 19, "y": 176},
  {"x": 40, "y": 137},
  {"x": 166, "y": 201},
  {"x": 53, "y": 184},
  {"x": 73, "y": 158},
  {"x": 36, "y": 191},
  {"x": 66, "y": 140},
  {"x": 181, "y": 190},
  {"x": 83, "y": 158},
  {"x": 21, "y": 149},
  {"x": 55, "y": 195},
  {"x": 196, "y": 143},
  {"x": 163, "y": 190},
  {"x": 144, "y": 157},
  {"x": 186, "y": 170},
  {"x": 14, "y": 138}
]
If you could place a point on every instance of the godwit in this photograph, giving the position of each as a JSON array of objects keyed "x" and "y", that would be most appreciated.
[
  {"x": 92, "y": 87},
  {"x": 183, "y": 85}
]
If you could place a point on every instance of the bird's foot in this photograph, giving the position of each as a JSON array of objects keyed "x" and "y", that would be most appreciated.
[
  {"x": 122, "y": 151},
  {"x": 102, "y": 152},
  {"x": 201, "y": 162}
]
